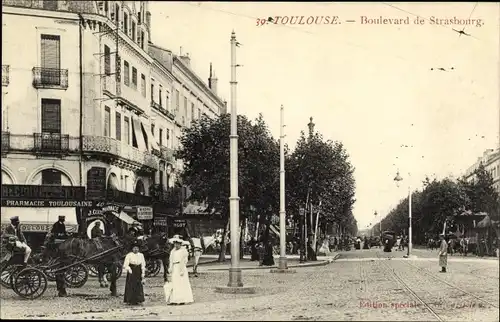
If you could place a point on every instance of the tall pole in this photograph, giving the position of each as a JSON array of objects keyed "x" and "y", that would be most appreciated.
[
  {"x": 409, "y": 220},
  {"x": 234, "y": 201},
  {"x": 282, "y": 264}
]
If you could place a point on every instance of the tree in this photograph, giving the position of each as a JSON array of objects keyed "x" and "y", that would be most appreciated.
[
  {"x": 205, "y": 153},
  {"x": 320, "y": 171}
]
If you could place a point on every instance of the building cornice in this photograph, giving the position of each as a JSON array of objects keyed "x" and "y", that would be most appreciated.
[
  {"x": 33, "y": 12},
  {"x": 197, "y": 81},
  {"x": 157, "y": 64}
]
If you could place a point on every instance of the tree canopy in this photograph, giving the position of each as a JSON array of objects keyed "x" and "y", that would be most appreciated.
[
  {"x": 440, "y": 200},
  {"x": 205, "y": 152}
]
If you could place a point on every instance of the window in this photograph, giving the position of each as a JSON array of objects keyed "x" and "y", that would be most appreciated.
[
  {"x": 161, "y": 178},
  {"x": 168, "y": 136},
  {"x": 142, "y": 39},
  {"x": 199, "y": 113},
  {"x": 133, "y": 30},
  {"x": 177, "y": 100},
  {"x": 118, "y": 121},
  {"x": 51, "y": 60},
  {"x": 167, "y": 99},
  {"x": 143, "y": 85},
  {"x": 106, "y": 8},
  {"x": 126, "y": 72},
  {"x": 51, "y": 116},
  {"x": 126, "y": 130},
  {"x": 192, "y": 111},
  {"x": 161, "y": 136},
  {"x": 107, "y": 61},
  {"x": 159, "y": 97},
  {"x": 152, "y": 91},
  {"x": 153, "y": 129},
  {"x": 139, "y": 17},
  {"x": 107, "y": 121},
  {"x": 117, "y": 13},
  {"x": 134, "y": 77},
  {"x": 184, "y": 117},
  {"x": 125, "y": 23},
  {"x": 51, "y": 177}
]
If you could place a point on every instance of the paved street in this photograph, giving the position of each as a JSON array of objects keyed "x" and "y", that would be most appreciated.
[{"x": 373, "y": 288}]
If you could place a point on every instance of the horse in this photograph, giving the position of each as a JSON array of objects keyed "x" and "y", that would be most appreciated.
[
  {"x": 205, "y": 243},
  {"x": 157, "y": 247},
  {"x": 77, "y": 249}
]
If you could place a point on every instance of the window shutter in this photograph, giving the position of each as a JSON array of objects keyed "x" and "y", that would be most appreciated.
[
  {"x": 51, "y": 116},
  {"x": 51, "y": 51},
  {"x": 118, "y": 126}
]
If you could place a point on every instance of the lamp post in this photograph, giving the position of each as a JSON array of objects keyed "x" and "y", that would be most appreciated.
[
  {"x": 398, "y": 179},
  {"x": 235, "y": 284}
]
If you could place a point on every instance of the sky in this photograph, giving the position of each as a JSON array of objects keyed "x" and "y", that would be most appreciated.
[{"x": 369, "y": 86}]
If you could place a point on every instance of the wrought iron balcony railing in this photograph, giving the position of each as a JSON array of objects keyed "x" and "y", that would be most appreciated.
[
  {"x": 170, "y": 115},
  {"x": 5, "y": 75},
  {"x": 106, "y": 145},
  {"x": 50, "y": 78},
  {"x": 5, "y": 142},
  {"x": 166, "y": 153},
  {"x": 51, "y": 142},
  {"x": 156, "y": 105}
]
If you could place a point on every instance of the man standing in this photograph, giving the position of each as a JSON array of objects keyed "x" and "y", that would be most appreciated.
[
  {"x": 96, "y": 233},
  {"x": 443, "y": 254},
  {"x": 15, "y": 230}
]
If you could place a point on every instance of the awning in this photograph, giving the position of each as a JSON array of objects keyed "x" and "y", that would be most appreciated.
[
  {"x": 40, "y": 219},
  {"x": 124, "y": 217},
  {"x": 139, "y": 137},
  {"x": 152, "y": 139}
]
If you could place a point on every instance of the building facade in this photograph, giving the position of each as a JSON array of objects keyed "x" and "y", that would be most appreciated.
[
  {"x": 491, "y": 161},
  {"x": 89, "y": 101}
]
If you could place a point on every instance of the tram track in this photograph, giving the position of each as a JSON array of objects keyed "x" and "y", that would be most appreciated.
[
  {"x": 428, "y": 273},
  {"x": 405, "y": 285}
]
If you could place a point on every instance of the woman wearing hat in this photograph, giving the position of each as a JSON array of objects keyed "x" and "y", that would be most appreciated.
[
  {"x": 178, "y": 274},
  {"x": 135, "y": 265}
]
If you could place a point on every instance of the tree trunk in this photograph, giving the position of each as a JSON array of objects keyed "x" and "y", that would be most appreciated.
[
  {"x": 222, "y": 254},
  {"x": 242, "y": 234}
]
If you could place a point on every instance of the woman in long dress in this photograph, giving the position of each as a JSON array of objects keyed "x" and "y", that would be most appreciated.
[
  {"x": 135, "y": 265},
  {"x": 178, "y": 274},
  {"x": 443, "y": 254}
]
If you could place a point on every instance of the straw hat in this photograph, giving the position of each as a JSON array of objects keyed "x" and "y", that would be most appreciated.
[{"x": 176, "y": 239}]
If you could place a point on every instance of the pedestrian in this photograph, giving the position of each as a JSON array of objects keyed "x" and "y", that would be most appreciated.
[
  {"x": 135, "y": 266},
  {"x": 254, "y": 249},
  {"x": 262, "y": 253},
  {"x": 178, "y": 276},
  {"x": 443, "y": 254}
]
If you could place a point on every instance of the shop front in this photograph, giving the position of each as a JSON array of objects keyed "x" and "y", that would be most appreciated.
[
  {"x": 39, "y": 207},
  {"x": 118, "y": 212}
]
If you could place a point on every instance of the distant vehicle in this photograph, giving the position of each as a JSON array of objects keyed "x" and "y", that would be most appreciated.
[{"x": 388, "y": 240}]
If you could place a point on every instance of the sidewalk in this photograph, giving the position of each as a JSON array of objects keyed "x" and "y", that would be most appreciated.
[{"x": 211, "y": 263}]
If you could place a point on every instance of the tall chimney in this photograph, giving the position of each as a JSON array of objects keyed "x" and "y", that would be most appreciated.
[
  {"x": 148, "y": 23},
  {"x": 212, "y": 81}
]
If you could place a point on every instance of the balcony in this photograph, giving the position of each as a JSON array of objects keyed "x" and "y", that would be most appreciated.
[
  {"x": 5, "y": 75},
  {"x": 166, "y": 153},
  {"x": 51, "y": 143},
  {"x": 109, "y": 85},
  {"x": 50, "y": 78},
  {"x": 5, "y": 142},
  {"x": 170, "y": 115},
  {"x": 40, "y": 143},
  {"x": 121, "y": 151}
]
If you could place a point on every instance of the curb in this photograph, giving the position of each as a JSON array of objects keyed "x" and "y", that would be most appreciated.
[
  {"x": 210, "y": 261},
  {"x": 310, "y": 264}
]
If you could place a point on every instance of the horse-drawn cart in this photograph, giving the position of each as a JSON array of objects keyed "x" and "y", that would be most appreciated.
[{"x": 30, "y": 281}]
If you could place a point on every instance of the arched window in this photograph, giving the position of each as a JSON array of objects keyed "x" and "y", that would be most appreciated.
[
  {"x": 52, "y": 177},
  {"x": 113, "y": 182}
]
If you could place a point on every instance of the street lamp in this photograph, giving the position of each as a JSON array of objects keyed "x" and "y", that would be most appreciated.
[{"x": 398, "y": 179}]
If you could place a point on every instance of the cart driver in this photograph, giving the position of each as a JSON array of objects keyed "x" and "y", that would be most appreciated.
[
  {"x": 59, "y": 229},
  {"x": 20, "y": 240},
  {"x": 136, "y": 229}
]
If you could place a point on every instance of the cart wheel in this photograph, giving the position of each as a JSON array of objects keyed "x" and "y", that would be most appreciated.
[
  {"x": 152, "y": 267},
  {"x": 7, "y": 275},
  {"x": 93, "y": 271},
  {"x": 76, "y": 276},
  {"x": 30, "y": 283}
]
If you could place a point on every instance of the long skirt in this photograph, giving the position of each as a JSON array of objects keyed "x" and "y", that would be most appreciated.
[
  {"x": 134, "y": 291},
  {"x": 181, "y": 287},
  {"x": 443, "y": 260}
]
